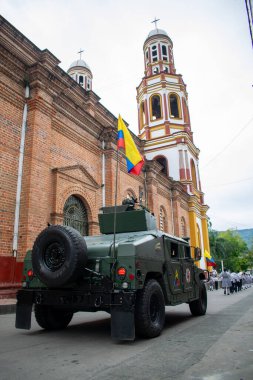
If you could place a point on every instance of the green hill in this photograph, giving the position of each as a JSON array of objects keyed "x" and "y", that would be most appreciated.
[{"x": 247, "y": 236}]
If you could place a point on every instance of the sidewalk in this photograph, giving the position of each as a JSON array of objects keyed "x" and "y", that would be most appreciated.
[
  {"x": 8, "y": 297},
  {"x": 7, "y": 305}
]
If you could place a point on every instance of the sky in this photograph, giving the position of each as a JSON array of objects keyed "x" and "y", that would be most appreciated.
[{"x": 213, "y": 52}]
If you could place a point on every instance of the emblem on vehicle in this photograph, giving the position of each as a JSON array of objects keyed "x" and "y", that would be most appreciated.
[
  {"x": 188, "y": 275},
  {"x": 176, "y": 280},
  {"x": 158, "y": 247}
]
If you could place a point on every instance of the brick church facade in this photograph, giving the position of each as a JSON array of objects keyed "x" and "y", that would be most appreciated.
[{"x": 58, "y": 155}]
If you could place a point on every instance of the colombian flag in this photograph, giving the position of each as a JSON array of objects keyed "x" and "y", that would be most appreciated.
[
  {"x": 209, "y": 260},
  {"x": 134, "y": 159}
]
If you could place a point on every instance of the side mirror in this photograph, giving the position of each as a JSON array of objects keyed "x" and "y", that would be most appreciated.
[{"x": 197, "y": 254}]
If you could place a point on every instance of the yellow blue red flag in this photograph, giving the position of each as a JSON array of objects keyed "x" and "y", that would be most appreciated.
[
  {"x": 134, "y": 159},
  {"x": 209, "y": 259}
]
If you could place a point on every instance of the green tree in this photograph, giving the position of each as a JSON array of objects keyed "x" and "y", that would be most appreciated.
[{"x": 228, "y": 247}]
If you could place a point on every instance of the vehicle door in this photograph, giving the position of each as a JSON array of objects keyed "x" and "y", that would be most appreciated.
[
  {"x": 173, "y": 264},
  {"x": 187, "y": 268}
]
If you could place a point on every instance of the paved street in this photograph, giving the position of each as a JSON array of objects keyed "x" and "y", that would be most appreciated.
[{"x": 214, "y": 347}]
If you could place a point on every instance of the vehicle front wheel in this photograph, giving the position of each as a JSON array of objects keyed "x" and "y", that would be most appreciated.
[
  {"x": 50, "y": 318},
  {"x": 150, "y": 310},
  {"x": 199, "y": 306}
]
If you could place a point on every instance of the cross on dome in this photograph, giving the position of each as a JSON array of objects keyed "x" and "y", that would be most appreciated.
[
  {"x": 80, "y": 52},
  {"x": 155, "y": 21}
]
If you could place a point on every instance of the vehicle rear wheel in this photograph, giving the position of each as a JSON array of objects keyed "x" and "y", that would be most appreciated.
[
  {"x": 59, "y": 255},
  {"x": 150, "y": 310},
  {"x": 199, "y": 306},
  {"x": 50, "y": 318}
]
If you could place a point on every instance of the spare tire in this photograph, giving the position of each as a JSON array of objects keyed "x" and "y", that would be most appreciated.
[{"x": 59, "y": 255}]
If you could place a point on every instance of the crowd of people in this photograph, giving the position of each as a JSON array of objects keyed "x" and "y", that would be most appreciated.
[{"x": 230, "y": 282}]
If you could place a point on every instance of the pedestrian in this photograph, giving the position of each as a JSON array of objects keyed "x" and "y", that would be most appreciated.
[
  {"x": 216, "y": 282},
  {"x": 226, "y": 281},
  {"x": 233, "y": 287},
  {"x": 211, "y": 283}
]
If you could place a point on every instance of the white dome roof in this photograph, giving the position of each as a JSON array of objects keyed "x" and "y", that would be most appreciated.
[
  {"x": 154, "y": 32},
  {"x": 157, "y": 32},
  {"x": 79, "y": 63}
]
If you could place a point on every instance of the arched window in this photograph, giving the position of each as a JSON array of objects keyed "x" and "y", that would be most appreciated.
[
  {"x": 75, "y": 215},
  {"x": 162, "y": 219},
  {"x": 164, "y": 53},
  {"x": 154, "y": 53},
  {"x": 198, "y": 237},
  {"x": 174, "y": 102},
  {"x": 186, "y": 112},
  {"x": 193, "y": 173},
  {"x": 183, "y": 228},
  {"x": 163, "y": 161},
  {"x": 156, "y": 112},
  {"x": 142, "y": 115},
  {"x": 81, "y": 80}
]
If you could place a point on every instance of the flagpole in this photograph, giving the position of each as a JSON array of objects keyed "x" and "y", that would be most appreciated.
[{"x": 115, "y": 206}]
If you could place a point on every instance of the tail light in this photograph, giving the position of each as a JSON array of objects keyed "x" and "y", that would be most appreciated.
[
  {"x": 121, "y": 272},
  {"x": 30, "y": 274}
]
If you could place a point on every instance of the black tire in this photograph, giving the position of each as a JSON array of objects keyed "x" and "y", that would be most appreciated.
[
  {"x": 199, "y": 306},
  {"x": 52, "y": 319},
  {"x": 150, "y": 310},
  {"x": 59, "y": 256}
]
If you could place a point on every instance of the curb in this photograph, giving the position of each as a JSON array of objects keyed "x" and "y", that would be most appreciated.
[{"x": 8, "y": 309}]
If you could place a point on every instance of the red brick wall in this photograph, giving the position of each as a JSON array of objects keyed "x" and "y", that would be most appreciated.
[{"x": 63, "y": 155}]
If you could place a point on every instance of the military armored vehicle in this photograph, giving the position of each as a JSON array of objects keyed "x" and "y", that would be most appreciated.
[{"x": 132, "y": 271}]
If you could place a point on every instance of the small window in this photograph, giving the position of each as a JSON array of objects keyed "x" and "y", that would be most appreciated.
[
  {"x": 166, "y": 69},
  {"x": 154, "y": 53},
  {"x": 164, "y": 53},
  {"x": 146, "y": 54},
  {"x": 162, "y": 161},
  {"x": 156, "y": 70},
  {"x": 193, "y": 173},
  {"x": 174, "y": 251},
  {"x": 81, "y": 80}
]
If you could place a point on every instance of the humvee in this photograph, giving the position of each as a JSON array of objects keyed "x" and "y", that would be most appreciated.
[{"x": 132, "y": 271}]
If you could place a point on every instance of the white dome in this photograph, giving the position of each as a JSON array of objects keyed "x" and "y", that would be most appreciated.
[
  {"x": 157, "y": 32},
  {"x": 154, "y": 32},
  {"x": 79, "y": 63}
]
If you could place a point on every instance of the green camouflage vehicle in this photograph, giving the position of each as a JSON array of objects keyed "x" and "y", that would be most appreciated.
[{"x": 132, "y": 275}]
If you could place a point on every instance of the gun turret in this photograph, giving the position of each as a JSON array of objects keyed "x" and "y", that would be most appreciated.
[{"x": 127, "y": 219}]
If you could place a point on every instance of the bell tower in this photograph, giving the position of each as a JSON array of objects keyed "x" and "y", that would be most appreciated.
[
  {"x": 164, "y": 124},
  {"x": 81, "y": 73}
]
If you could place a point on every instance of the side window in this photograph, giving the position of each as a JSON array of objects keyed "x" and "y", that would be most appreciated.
[
  {"x": 174, "y": 251},
  {"x": 187, "y": 252}
]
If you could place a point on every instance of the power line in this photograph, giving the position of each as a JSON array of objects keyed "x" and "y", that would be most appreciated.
[
  {"x": 233, "y": 182},
  {"x": 250, "y": 18},
  {"x": 226, "y": 146}
]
